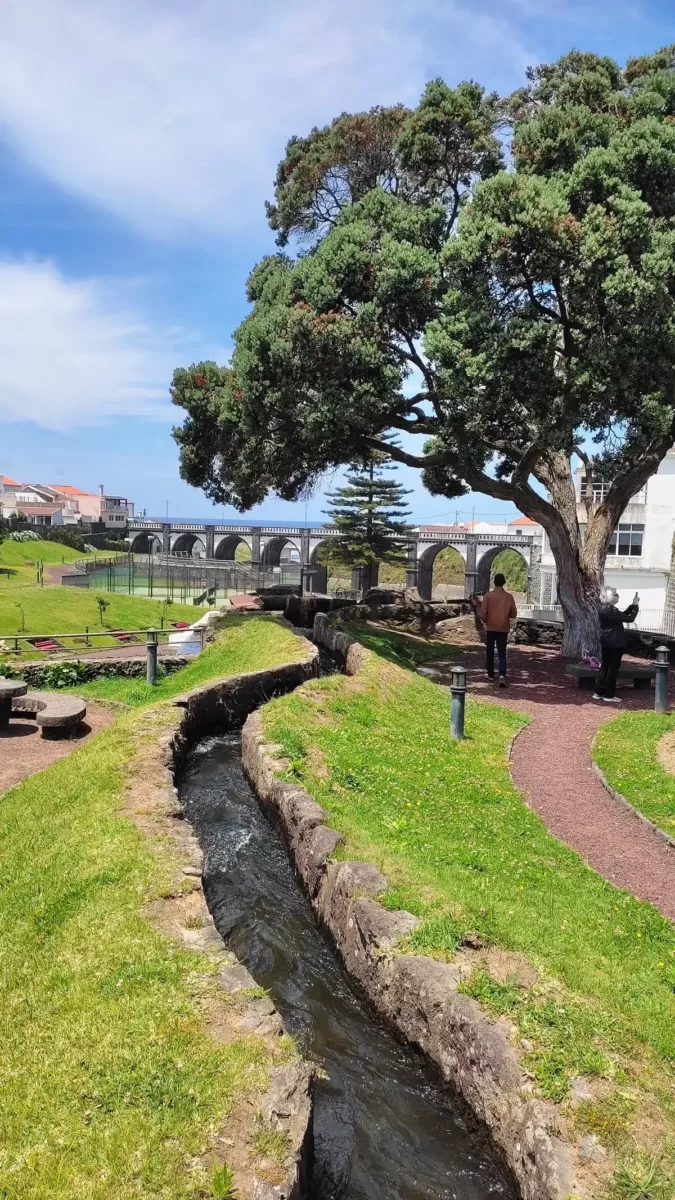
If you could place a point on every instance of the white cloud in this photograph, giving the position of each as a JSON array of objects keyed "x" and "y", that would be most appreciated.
[
  {"x": 172, "y": 115},
  {"x": 74, "y": 353}
]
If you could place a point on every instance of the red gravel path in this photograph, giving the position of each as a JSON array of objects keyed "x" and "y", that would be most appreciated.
[
  {"x": 23, "y": 751},
  {"x": 551, "y": 764}
]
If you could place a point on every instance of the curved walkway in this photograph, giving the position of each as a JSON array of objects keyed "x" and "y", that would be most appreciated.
[
  {"x": 23, "y": 751},
  {"x": 551, "y": 765}
]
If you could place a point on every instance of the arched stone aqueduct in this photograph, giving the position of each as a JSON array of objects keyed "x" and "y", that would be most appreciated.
[{"x": 266, "y": 544}]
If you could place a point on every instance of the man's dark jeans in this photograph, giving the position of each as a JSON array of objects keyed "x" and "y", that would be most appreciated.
[
  {"x": 493, "y": 639},
  {"x": 605, "y": 684}
]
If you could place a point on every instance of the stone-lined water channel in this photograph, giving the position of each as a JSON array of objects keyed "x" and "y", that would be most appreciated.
[{"x": 384, "y": 1128}]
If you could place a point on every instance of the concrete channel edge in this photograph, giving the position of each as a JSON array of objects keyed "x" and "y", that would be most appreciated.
[
  {"x": 287, "y": 1103},
  {"x": 416, "y": 995}
]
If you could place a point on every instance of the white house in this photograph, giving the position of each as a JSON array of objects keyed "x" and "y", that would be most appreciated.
[{"x": 640, "y": 549}]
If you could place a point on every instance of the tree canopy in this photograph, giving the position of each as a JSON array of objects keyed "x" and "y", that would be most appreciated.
[{"x": 510, "y": 318}]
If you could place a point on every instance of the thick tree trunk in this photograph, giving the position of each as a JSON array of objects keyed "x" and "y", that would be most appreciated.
[
  {"x": 579, "y": 563},
  {"x": 578, "y": 593}
]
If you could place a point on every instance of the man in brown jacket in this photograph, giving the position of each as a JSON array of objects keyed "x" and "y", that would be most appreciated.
[{"x": 497, "y": 610}]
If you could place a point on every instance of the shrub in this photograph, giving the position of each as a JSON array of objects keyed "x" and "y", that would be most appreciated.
[
  {"x": 65, "y": 537},
  {"x": 8, "y": 670},
  {"x": 23, "y": 535},
  {"x": 63, "y": 675},
  {"x": 102, "y": 605}
]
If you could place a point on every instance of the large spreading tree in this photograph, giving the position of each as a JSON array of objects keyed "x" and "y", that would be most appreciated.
[{"x": 514, "y": 312}]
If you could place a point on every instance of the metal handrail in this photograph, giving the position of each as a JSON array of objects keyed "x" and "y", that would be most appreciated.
[{"x": 87, "y": 635}]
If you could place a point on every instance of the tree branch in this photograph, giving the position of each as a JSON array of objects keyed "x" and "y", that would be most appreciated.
[
  {"x": 413, "y": 357},
  {"x": 524, "y": 467}
]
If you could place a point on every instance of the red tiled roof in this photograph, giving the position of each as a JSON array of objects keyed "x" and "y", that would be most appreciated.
[
  {"x": 68, "y": 490},
  {"x": 9, "y": 482},
  {"x": 524, "y": 521}
]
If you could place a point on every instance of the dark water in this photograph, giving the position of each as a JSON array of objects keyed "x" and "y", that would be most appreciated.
[{"x": 383, "y": 1129}]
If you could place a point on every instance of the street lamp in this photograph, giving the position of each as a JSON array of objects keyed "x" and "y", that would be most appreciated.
[
  {"x": 151, "y": 651},
  {"x": 661, "y": 680},
  {"x": 458, "y": 702}
]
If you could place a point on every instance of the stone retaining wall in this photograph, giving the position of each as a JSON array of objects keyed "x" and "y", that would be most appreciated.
[
  {"x": 415, "y": 994},
  {"x": 417, "y": 616},
  {"x": 227, "y": 703},
  {"x": 35, "y": 674}
]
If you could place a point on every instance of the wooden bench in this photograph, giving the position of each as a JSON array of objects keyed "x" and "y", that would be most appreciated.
[
  {"x": 586, "y": 676},
  {"x": 53, "y": 713},
  {"x": 46, "y": 646}
]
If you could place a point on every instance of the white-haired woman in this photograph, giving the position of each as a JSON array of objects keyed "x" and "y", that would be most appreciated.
[{"x": 612, "y": 641}]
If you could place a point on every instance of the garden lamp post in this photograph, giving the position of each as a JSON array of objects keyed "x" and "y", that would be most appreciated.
[
  {"x": 661, "y": 680},
  {"x": 151, "y": 650},
  {"x": 458, "y": 702}
]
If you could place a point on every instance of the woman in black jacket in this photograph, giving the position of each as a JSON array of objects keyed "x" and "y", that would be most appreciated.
[{"x": 612, "y": 641}]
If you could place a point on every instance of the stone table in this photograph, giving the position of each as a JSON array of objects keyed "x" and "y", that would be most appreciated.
[{"x": 9, "y": 688}]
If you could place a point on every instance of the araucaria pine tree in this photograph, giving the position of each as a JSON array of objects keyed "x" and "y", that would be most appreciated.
[{"x": 369, "y": 513}]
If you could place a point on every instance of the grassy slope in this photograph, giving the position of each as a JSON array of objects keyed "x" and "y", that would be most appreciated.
[
  {"x": 22, "y": 557},
  {"x": 461, "y": 850},
  {"x": 66, "y": 610},
  {"x": 625, "y": 750},
  {"x": 108, "y": 1079},
  {"x": 244, "y": 644}
]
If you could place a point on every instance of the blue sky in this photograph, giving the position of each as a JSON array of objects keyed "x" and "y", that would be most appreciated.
[{"x": 138, "y": 142}]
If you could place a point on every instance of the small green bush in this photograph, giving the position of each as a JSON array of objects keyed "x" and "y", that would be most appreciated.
[{"x": 64, "y": 675}]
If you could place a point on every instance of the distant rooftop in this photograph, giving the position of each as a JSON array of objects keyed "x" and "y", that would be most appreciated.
[
  {"x": 68, "y": 490},
  {"x": 7, "y": 482},
  {"x": 43, "y": 510}
]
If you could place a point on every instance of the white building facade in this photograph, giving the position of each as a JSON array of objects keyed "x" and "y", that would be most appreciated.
[{"x": 640, "y": 549}]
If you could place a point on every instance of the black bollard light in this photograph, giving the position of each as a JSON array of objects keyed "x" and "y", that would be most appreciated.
[
  {"x": 661, "y": 680},
  {"x": 151, "y": 650},
  {"x": 458, "y": 702}
]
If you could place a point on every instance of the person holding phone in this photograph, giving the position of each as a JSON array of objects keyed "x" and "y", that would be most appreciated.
[{"x": 612, "y": 642}]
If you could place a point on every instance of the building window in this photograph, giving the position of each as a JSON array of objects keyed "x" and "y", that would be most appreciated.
[
  {"x": 627, "y": 541},
  {"x": 600, "y": 489}
]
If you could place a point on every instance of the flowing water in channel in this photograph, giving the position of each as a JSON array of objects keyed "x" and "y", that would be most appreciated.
[{"x": 383, "y": 1126}]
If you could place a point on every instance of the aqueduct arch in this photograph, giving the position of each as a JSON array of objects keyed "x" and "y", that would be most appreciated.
[
  {"x": 317, "y": 579},
  {"x": 145, "y": 543},
  {"x": 227, "y": 547},
  {"x": 425, "y": 566},
  {"x": 270, "y": 555},
  {"x": 189, "y": 543},
  {"x": 484, "y": 566}
]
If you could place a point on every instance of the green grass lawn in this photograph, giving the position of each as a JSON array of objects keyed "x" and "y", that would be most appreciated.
[
  {"x": 71, "y": 610},
  {"x": 243, "y": 644},
  {"x": 461, "y": 850},
  {"x": 27, "y": 608},
  {"x": 108, "y": 1078},
  {"x": 21, "y": 558},
  {"x": 110, "y": 1083},
  {"x": 406, "y": 650},
  {"x": 625, "y": 751}
]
